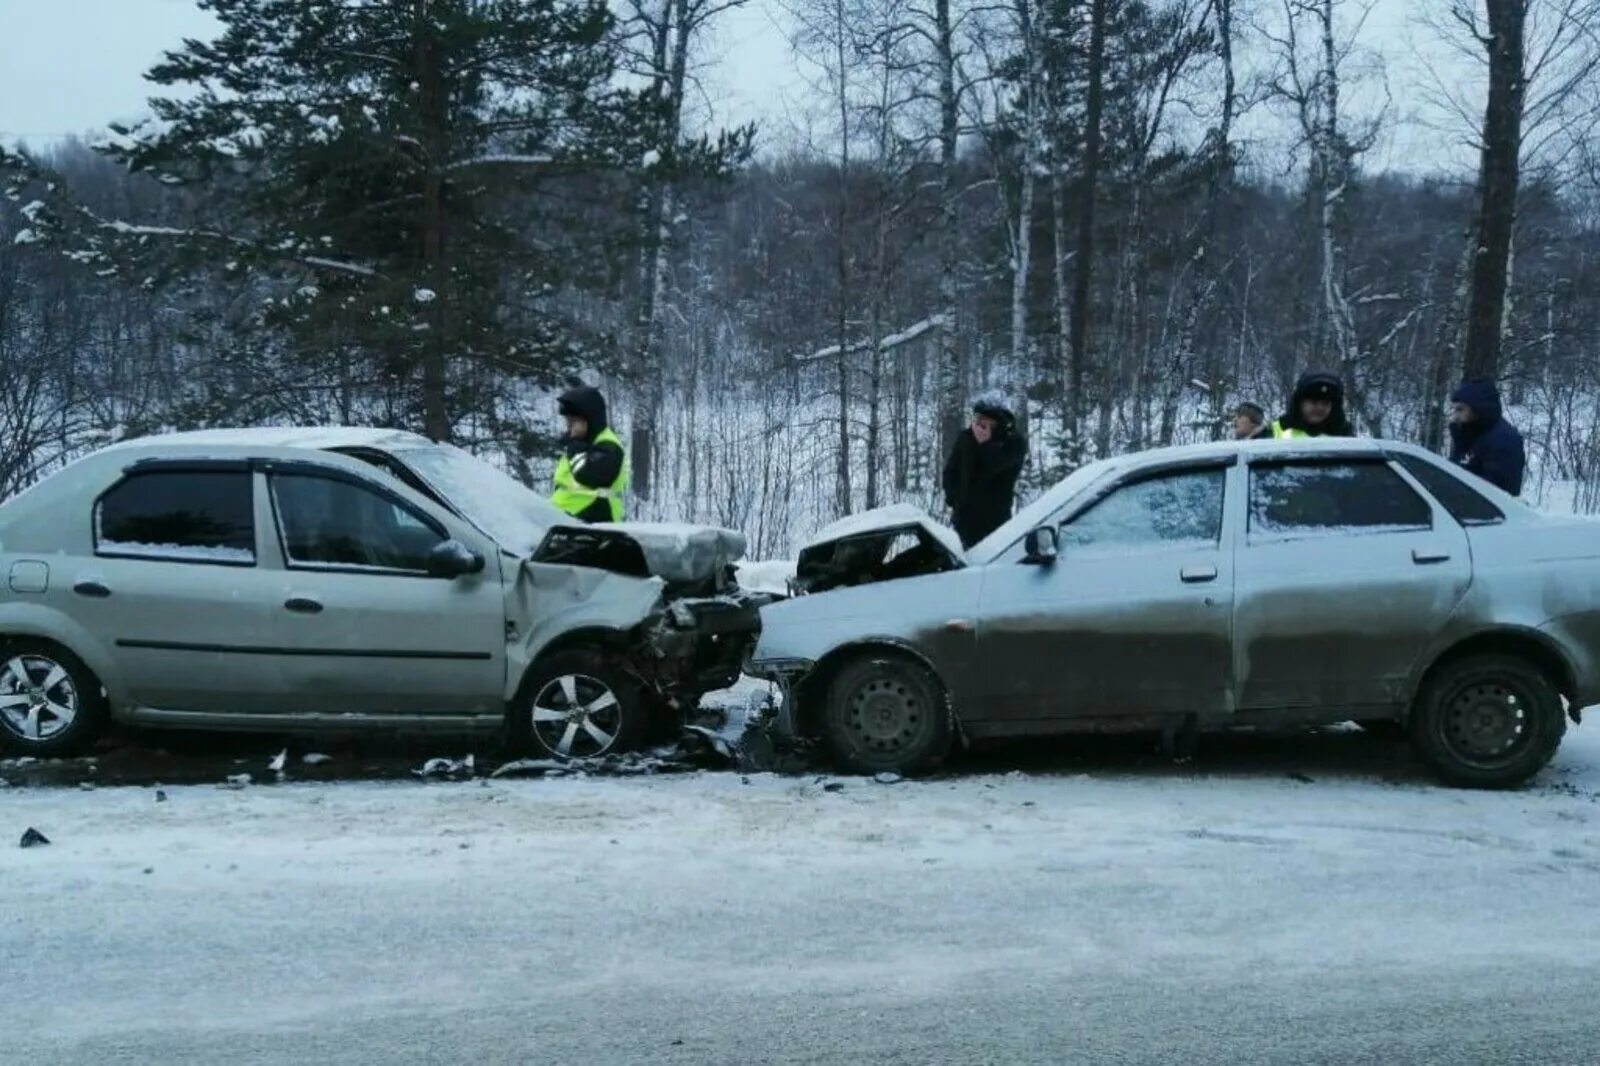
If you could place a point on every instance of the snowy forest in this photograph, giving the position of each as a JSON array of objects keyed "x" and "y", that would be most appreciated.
[{"x": 1127, "y": 215}]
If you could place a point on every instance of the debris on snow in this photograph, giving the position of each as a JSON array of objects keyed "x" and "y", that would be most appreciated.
[
  {"x": 32, "y": 838},
  {"x": 526, "y": 767},
  {"x": 442, "y": 767},
  {"x": 315, "y": 758},
  {"x": 887, "y": 778},
  {"x": 278, "y": 762},
  {"x": 236, "y": 781},
  {"x": 161, "y": 795}
]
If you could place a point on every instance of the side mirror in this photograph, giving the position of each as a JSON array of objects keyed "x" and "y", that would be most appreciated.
[
  {"x": 1041, "y": 546},
  {"x": 453, "y": 559}
]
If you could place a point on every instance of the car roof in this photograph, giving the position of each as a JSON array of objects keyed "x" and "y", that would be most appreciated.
[{"x": 319, "y": 438}]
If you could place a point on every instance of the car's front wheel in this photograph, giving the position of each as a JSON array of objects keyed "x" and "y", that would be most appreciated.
[
  {"x": 50, "y": 703},
  {"x": 886, "y": 712},
  {"x": 1489, "y": 721},
  {"x": 578, "y": 705}
]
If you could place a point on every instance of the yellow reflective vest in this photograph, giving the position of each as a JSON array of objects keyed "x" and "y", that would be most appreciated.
[
  {"x": 575, "y": 498},
  {"x": 1280, "y": 433}
]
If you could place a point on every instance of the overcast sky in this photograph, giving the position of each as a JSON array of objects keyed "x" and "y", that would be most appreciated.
[{"x": 72, "y": 66}]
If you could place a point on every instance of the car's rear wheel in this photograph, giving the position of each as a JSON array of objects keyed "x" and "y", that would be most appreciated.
[
  {"x": 886, "y": 712},
  {"x": 578, "y": 705},
  {"x": 50, "y": 703},
  {"x": 1489, "y": 721}
]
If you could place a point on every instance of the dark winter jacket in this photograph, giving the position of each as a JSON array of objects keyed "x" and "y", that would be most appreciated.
[
  {"x": 1317, "y": 384},
  {"x": 1488, "y": 446},
  {"x": 980, "y": 480},
  {"x": 594, "y": 465}
]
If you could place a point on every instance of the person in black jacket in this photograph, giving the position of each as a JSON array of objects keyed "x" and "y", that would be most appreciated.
[
  {"x": 980, "y": 476},
  {"x": 1482, "y": 440},
  {"x": 1316, "y": 409},
  {"x": 590, "y": 477}
]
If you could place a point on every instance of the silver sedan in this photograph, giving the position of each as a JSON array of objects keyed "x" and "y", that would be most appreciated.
[
  {"x": 290, "y": 580},
  {"x": 1208, "y": 587}
]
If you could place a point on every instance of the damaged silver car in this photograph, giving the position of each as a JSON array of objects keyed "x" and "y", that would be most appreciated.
[
  {"x": 1211, "y": 587},
  {"x": 291, "y": 580}
]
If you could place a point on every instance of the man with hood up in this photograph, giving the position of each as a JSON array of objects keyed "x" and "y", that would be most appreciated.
[
  {"x": 1482, "y": 440},
  {"x": 980, "y": 476},
  {"x": 592, "y": 474},
  {"x": 1315, "y": 410}
]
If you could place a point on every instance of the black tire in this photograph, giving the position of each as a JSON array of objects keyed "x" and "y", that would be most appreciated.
[
  {"x": 1389, "y": 730},
  {"x": 1489, "y": 721},
  {"x": 886, "y": 712},
  {"x": 60, "y": 682},
  {"x": 589, "y": 675}
]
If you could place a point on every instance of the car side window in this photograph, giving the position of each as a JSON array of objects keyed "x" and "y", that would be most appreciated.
[
  {"x": 191, "y": 516},
  {"x": 1322, "y": 497},
  {"x": 334, "y": 523},
  {"x": 1465, "y": 504},
  {"x": 1168, "y": 509}
]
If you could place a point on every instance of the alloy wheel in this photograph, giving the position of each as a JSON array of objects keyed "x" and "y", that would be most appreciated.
[
  {"x": 38, "y": 700},
  {"x": 577, "y": 716}
]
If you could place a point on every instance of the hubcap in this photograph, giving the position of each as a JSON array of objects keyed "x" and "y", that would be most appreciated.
[
  {"x": 576, "y": 717},
  {"x": 885, "y": 714},
  {"x": 37, "y": 697},
  {"x": 1487, "y": 723}
]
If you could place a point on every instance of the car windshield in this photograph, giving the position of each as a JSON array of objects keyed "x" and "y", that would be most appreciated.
[
  {"x": 504, "y": 508},
  {"x": 1039, "y": 511}
]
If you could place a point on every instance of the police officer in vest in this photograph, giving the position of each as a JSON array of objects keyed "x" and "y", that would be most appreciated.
[
  {"x": 1315, "y": 410},
  {"x": 593, "y": 473}
]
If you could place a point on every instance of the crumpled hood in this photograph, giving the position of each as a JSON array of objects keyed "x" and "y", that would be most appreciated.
[
  {"x": 882, "y": 519},
  {"x": 683, "y": 553}
]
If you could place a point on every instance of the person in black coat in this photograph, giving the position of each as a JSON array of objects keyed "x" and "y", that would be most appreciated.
[
  {"x": 980, "y": 476},
  {"x": 1482, "y": 440}
]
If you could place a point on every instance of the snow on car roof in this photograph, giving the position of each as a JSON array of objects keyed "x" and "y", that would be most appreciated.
[{"x": 320, "y": 438}]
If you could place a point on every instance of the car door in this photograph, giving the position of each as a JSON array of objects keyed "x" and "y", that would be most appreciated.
[
  {"x": 1344, "y": 574},
  {"x": 362, "y": 627},
  {"x": 176, "y": 588},
  {"x": 1133, "y": 616}
]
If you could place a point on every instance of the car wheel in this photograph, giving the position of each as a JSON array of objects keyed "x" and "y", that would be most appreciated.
[
  {"x": 1490, "y": 721},
  {"x": 50, "y": 704},
  {"x": 887, "y": 713},
  {"x": 1385, "y": 729},
  {"x": 578, "y": 705}
]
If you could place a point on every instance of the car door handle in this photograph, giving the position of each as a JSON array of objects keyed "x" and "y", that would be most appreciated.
[
  {"x": 92, "y": 589},
  {"x": 303, "y": 605},
  {"x": 1427, "y": 556},
  {"x": 1195, "y": 575}
]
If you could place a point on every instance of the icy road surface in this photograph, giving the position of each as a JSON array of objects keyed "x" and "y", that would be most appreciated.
[{"x": 1222, "y": 914}]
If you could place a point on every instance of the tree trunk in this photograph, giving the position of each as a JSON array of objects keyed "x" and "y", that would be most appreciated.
[
  {"x": 670, "y": 58},
  {"x": 842, "y": 488},
  {"x": 1022, "y": 246},
  {"x": 1498, "y": 176},
  {"x": 435, "y": 125},
  {"x": 1093, "y": 111},
  {"x": 1334, "y": 165},
  {"x": 951, "y": 377}
]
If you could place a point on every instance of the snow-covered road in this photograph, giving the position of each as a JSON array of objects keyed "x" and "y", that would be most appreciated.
[{"x": 1123, "y": 916}]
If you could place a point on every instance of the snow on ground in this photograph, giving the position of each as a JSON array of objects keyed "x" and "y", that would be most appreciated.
[{"x": 1221, "y": 913}]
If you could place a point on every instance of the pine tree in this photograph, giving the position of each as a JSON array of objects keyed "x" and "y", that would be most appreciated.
[{"x": 420, "y": 184}]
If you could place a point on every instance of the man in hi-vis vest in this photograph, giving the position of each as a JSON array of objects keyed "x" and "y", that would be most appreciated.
[
  {"x": 593, "y": 472},
  {"x": 1315, "y": 410}
]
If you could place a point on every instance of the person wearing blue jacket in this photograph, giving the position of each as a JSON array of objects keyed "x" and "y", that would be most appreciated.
[{"x": 1482, "y": 440}]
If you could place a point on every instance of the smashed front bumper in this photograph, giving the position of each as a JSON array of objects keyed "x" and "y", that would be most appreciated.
[{"x": 700, "y": 645}]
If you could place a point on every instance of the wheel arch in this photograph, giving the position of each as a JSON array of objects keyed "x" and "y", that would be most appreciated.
[
  {"x": 812, "y": 689},
  {"x": 1528, "y": 644},
  {"x": 599, "y": 637},
  {"x": 50, "y": 628}
]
